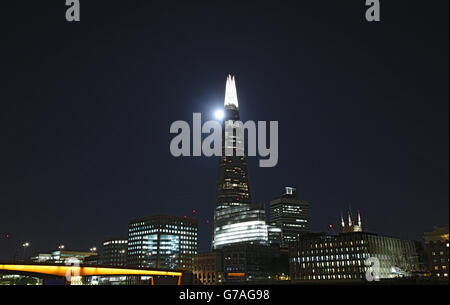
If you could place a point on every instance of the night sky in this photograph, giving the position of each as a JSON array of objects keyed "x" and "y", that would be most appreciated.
[{"x": 363, "y": 111}]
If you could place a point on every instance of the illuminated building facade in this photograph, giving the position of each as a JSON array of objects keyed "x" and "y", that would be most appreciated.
[
  {"x": 291, "y": 215},
  {"x": 166, "y": 242},
  {"x": 41, "y": 258},
  {"x": 437, "y": 246},
  {"x": 207, "y": 268},
  {"x": 274, "y": 235},
  {"x": 114, "y": 252},
  {"x": 236, "y": 218},
  {"x": 352, "y": 225},
  {"x": 323, "y": 257},
  {"x": 62, "y": 256},
  {"x": 241, "y": 224}
]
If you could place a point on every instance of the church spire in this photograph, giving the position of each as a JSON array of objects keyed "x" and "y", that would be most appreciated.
[{"x": 230, "y": 93}]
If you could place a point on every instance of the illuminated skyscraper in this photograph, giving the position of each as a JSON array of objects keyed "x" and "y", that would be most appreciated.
[
  {"x": 236, "y": 218},
  {"x": 291, "y": 215}
]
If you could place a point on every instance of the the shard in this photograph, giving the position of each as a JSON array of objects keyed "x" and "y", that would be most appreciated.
[{"x": 236, "y": 219}]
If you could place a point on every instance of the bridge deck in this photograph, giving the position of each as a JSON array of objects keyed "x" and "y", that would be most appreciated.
[{"x": 63, "y": 270}]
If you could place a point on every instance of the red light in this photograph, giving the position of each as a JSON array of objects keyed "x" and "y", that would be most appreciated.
[
  {"x": 237, "y": 198},
  {"x": 7, "y": 235},
  {"x": 194, "y": 211},
  {"x": 331, "y": 226}
]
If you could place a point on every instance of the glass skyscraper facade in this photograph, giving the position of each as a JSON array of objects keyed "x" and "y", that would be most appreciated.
[
  {"x": 236, "y": 218},
  {"x": 165, "y": 242}
]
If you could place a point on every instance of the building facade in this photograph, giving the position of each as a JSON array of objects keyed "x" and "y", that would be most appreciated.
[
  {"x": 238, "y": 263},
  {"x": 324, "y": 257},
  {"x": 291, "y": 215},
  {"x": 114, "y": 252},
  {"x": 254, "y": 263},
  {"x": 241, "y": 224},
  {"x": 165, "y": 242},
  {"x": 207, "y": 268},
  {"x": 437, "y": 245},
  {"x": 63, "y": 256}
]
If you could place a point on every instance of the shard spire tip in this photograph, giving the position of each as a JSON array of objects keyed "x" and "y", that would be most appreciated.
[{"x": 231, "y": 92}]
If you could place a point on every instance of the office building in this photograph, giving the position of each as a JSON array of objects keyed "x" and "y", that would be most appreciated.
[
  {"x": 291, "y": 215},
  {"x": 324, "y": 257},
  {"x": 114, "y": 252},
  {"x": 241, "y": 224},
  {"x": 164, "y": 242}
]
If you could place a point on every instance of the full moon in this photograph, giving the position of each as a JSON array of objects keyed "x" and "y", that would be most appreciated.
[{"x": 219, "y": 114}]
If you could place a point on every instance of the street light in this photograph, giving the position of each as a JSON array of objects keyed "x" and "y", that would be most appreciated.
[
  {"x": 25, "y": 245},
  {"x": 93, "y": 249},
  {"x": 60, "y": 247}
]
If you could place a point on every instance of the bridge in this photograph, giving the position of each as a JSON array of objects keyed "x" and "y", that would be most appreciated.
[{"x": 68, "y": 271}]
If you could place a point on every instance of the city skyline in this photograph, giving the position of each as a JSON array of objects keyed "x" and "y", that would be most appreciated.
[
  {"x": 231, "y": 110},
  {"x": 86, "y": 117}
]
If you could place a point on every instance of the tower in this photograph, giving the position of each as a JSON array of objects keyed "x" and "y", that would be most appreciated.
[
  {"x": 291, "y": 215},
  {"x": 352, "y": 226},
  {"x": 236, "y": 218},
  {"x": 233, "y": 187}
]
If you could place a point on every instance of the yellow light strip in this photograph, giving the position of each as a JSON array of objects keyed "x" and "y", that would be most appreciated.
[{"x": 84, "y": 271}]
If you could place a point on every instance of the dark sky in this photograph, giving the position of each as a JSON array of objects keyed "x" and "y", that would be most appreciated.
[{"x": 363, "y": 111}]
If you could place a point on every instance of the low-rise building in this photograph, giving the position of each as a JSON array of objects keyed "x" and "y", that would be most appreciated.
[
  {"x": 437, "y": 246},
  {"x": 207, "y": 268},
  {"x": 63, "y": 256}
]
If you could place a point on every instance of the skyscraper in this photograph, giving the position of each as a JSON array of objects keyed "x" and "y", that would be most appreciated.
[
  {"x": 290, "y": 214},
  {"x": 236, "y": 218},
  {"x": 233, "y": 187}
]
